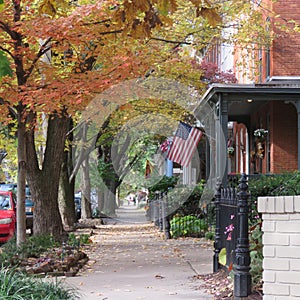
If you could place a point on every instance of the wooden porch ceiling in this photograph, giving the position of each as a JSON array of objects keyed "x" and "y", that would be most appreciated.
[{"x": 243, "y": 107}]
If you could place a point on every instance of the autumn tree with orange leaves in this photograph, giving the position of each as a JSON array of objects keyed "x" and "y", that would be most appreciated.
[
  {"x": 63, "y": 53},
  {"x": 43, "y": 84}
]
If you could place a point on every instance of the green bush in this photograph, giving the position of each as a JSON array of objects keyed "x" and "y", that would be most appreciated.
[
  {"x": 187, "y": 226},
  {"x": 35, "y": 245},
  {"x": 256, "y": 253},
  {"x": 163, "y": 185},
  {"x": 186, "y": 201},
  {"x": 16, "y": 286},
  {"x": 210, "y": 235},
  {"x": 77, "y": 240},
  {"x": 272, "y": 185}
]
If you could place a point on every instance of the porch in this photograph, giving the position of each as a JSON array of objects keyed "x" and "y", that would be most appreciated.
[{"x": 273, "y": 107}]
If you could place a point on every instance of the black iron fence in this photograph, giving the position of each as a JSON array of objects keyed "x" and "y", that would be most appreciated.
[
  {"x": 227, "y": 224},
  {"x": 232, "y": 209},
  {"x": 229, "y": 215},
  {"x": 178, "y": 224},
  {"x": 158, "y": 213}
]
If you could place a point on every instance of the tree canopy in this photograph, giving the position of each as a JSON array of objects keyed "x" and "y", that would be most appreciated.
[{"x": 57, "y": 55}]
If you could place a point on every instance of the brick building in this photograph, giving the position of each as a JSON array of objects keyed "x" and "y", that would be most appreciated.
[{"x": 266, "y": 100}]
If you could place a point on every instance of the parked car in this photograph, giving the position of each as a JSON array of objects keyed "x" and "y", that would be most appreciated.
[
  {"x": 7, "y": 215},
  {"x": 29, "y": 204}
]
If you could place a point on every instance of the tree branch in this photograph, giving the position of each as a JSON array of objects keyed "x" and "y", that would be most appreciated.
[
  {"x": 43, "y": 49},
  {"x": 5, "y": 27},
  {"x": 112, "y": 32},
  {"x": 170, "y": 41},
  {"x": 10, "y": 108},
  {"x": 6, "y": 51},
  {"x": 97, "y": 22}
]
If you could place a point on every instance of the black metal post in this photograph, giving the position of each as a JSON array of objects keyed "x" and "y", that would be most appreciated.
[
  {"x": 156, "y": 209},
  {"x": 160, "y": 212},
  {"x": 241, "y": 267},
  {"x": 151, "y": 207},
  {"x": 217, "y": 247},
  {"x": 165, "y": 218}
]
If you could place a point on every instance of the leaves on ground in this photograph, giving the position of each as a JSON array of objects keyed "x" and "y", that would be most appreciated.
[{"x": 220, "y": 284}]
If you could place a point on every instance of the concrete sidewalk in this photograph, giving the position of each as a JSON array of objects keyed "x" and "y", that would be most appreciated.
[{"x": 129, "y": 260}]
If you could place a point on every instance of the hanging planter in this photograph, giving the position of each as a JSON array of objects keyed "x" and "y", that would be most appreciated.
[
  {"x": 260, "y": 134},
  {"x": 230, "y": 151}
]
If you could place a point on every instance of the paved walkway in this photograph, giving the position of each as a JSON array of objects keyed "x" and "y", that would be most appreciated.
[{"x": 129, "y": 260}]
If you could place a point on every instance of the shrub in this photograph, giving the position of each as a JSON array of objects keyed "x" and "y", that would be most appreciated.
[
  {"x": 186, "y": 205},
  {"x": 77, "y": 240},
  {"x": 210, "y": 235},
  {"x": 256, "y": 253},
  {"x": 274, "y": 185},
  {"x": 187, "y": 226},
  {"x": 16, "y": 285},
  {"x": 34, "y": 246},
  {"x": 163, "y": 185}
]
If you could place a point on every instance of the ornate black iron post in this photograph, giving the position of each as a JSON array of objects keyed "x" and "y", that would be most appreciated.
[
  {"x": 156, "y": 206},
  {"x": 165, "y": 218},
  {"x": 160, "y": 200},
  {"x": 217, "y": 247},
  {"x": 151, "y": 208},
  {"x": 241, "y": 267}
]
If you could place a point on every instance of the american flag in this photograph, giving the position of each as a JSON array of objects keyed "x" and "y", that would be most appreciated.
[
  {"x": 165, "y": 146},
  {"x": 184, "y": 144}
]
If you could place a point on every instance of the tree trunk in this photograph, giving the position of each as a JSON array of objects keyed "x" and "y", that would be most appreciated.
[
  {"x": 44, "y": 182},
  {"x": 21, "y": 215},
  {"x": 66, "y": 195},
  {"x": 67, "y": 187},
  {"x": 100, "y": 194},
  {"x": 86, "y": 210},
  {"x": 110, "y": 199}
]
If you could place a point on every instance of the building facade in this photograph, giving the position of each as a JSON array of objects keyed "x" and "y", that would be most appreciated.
[{"x": 275, "y": 65}]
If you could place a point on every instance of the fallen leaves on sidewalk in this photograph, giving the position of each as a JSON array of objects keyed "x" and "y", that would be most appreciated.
[{"x": 220, "y": 284}]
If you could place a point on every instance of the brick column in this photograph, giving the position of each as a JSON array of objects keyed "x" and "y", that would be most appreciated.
[{"x": 281, "y": 247}]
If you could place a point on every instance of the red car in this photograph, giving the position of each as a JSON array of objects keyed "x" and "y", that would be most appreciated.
[{"x": 7, "y": 215}]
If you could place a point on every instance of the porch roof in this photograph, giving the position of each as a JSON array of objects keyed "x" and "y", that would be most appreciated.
[
  {"x": 279, "y": 90},
  {"x": 243, "y": 99}
]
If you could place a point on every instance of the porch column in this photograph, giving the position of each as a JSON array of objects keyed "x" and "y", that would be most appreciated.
[{"x": 222, "y": 137}]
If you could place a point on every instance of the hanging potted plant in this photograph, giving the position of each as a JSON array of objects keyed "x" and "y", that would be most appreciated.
[
  {"x": 260, "y": 134},
  {"x": 230, "y": 151}
]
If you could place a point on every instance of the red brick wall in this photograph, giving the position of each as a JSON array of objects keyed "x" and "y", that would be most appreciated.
[
  {"x": 282, "y": 137},
  {"x": 285, "y": 50},
  {"x": 284, "y": 149}
]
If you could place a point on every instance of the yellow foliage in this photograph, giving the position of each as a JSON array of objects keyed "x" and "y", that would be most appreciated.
[{"x": 53, "y": 7}]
